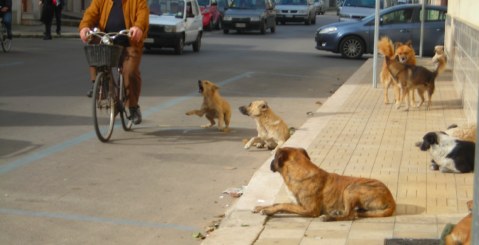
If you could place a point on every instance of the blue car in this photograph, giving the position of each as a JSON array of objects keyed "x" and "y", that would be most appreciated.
[{"x": 401, "y": 23}]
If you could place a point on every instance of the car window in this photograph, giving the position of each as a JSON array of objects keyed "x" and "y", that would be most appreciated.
[
  {"x": 247, "y": 4},
  {"x": 434, "y": 15},
  {"x": 293, "y": 2},
  {"x": 167, "y": 7},
  {"x": 398, "y": 17},
  {"x": 204, "y": 2}
]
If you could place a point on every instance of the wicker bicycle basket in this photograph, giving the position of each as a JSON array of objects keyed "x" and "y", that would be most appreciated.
[{"x": 103, "y": 55}]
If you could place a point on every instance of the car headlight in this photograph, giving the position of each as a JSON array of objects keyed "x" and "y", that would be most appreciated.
[
  {"x": 255, "y": 18},
  {"x": 328, "y": 30},
  {"x": 228, "y": 18},
  {"x": 170, "y": 28}
]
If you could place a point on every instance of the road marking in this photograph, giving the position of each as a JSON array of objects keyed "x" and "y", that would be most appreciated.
[
  {"x": 29, "y": 159},
  {"x": 93, "y": 219},
  {"x": 10, "y": 64}
]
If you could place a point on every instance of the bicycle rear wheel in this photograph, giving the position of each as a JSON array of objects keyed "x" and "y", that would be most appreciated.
[
  {"x": 103, "y": 106},
  {"x": 124, "y": 113},
  {"x": 5, "y": 42}
]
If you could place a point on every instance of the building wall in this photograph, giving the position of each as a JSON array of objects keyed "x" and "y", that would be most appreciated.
[{"x": 462, "y": 47}]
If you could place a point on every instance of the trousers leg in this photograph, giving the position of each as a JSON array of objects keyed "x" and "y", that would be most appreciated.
[{"x": 131, "y": 75}]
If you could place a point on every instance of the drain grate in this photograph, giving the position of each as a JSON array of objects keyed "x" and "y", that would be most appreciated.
[{"x": 408, "y": 241}]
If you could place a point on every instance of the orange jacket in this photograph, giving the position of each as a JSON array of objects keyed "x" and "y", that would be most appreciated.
[{"x": 136, "y": 13}]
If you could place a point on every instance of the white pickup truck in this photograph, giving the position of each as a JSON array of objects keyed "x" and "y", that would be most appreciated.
[{"x": 174, "y": 24}]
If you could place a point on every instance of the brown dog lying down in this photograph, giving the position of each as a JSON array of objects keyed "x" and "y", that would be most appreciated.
[
  {"x": 214, "y": 106},
  {"x": 330, "y": 195},
  {"x": 465, "y": 132},
  {"x": 459, "y": 233}
]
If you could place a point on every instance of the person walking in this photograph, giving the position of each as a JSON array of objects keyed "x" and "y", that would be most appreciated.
[
  {"x": 114, "y": 16},
  {"x": 47, "y": 17},
  {"x": 57, "y": 9},
  {"x": 6, "y": 15}
]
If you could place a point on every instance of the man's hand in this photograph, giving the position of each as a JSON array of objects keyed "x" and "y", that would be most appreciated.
[
  {"x": 136, "y": 34},
  {"x": 84, "y": 34}
]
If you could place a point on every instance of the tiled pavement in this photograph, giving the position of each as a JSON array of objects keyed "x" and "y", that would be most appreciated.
[{"x": 355, "y": 133}]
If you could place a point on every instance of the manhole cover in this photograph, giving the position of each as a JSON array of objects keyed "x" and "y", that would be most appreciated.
[{"x": 408, "y": 241}]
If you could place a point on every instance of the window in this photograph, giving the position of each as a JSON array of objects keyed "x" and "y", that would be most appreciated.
[
  {"x": 434, "y": 15},
  {"x": 398, "y": 17}
]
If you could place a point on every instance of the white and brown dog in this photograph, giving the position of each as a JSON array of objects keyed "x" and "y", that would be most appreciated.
[{"x": 272, "y": 130}]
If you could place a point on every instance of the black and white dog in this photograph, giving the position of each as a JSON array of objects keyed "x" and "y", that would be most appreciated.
[{"x": 448, "y": 153}]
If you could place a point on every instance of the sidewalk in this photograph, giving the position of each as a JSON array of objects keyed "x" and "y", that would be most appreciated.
[
  {"x": 36, "y": 31},
  {"x": 355, "y": 134}
]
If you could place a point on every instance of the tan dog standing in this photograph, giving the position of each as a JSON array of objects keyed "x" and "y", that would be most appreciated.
[
  {"x": 272, "y": 130},
  {"x": 214, "y": 106},
  {"x": 330, "y": 195}
]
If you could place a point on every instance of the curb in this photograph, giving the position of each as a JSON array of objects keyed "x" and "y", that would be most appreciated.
[
  {"x": 40, "y": 35},
  {"x": 240, "y": 225}
]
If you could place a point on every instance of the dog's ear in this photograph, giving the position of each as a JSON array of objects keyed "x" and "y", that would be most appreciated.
[
  {"x": 214, "y": 87},
  {"x": 431, "y": 138},
  {"x": 279, "y": 159},
  {"x": 305, "y": 153},
  {"x": 264, "y": 106},
  {"x": 409, "y": 43}
]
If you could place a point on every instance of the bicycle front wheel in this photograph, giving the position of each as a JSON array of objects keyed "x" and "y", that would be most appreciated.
[
  {"x": 5, "y": 42},
  {"x": 103, "y": 106}
]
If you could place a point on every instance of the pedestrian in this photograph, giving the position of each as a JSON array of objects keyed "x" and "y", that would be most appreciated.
[
  {"x": 114, "y": 16},
  {"x": 6, "y": 15},
  {"x": 58, "y": 15},
  {"x": 47, "y": 17}
]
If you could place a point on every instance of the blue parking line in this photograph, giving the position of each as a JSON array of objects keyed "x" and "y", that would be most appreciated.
[
  {"x": 85, "y": 218},
  {"x": 31, "y": 158}
]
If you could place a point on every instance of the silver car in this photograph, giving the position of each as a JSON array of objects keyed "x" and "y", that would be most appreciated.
[{"x": 401, "y": 23}]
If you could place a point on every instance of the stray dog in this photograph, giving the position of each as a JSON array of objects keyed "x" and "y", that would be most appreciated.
[
  {"x": 406, "y": 55},
  {"x": 465, "y": 132},
  {"x": 214, "y": 106},
  {"x": 459, "y": 233},
  {"x": 439, "y": 54},
  {"x": 410, "y": 77},
  {"x": 272, "y": 130},
  {"x": 330, "y": 195},
  {"x": 448, "y": 153}
]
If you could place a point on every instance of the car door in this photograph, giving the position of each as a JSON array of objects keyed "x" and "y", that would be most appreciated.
[
  {"x": 193, "y": 21},
  {"x": 433, "y": 30},
  {"x": 399, "y": 25}
]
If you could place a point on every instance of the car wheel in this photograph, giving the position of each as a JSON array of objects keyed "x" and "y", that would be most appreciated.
[
  {"x": 314, "y": 20},
  {"x": 352, "y": 47},
  {"x": 179, "y": 46},
  {"x": 219, "y": 25},
  {"x": 226, "y": 31},
  {"x": 283, "y": 22},
  {"x": 308, "y": 21},
  {"x": 197, "y": 43},
  {"x": 273, "y": 28},
  {"x": 262, "y": 27}
]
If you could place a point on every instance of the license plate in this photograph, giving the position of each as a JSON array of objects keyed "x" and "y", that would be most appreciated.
[
  {"x": 149, "y": 40},
  {"x": 240, "y": 25}
]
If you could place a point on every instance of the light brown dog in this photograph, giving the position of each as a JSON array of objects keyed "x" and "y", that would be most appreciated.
[
  {"x": 459, "y": 233},
  {"x": 410, "y": 77},
  {"x": 330, "y": 195},
  {"x": 439, "y": 54},
  {"x": 272, "y": 130},
  {"x": 406, "y": 55},
  {"x": 214, "y": 106}
]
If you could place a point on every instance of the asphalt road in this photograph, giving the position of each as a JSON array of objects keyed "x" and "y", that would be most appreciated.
[{"x": 162, "y": 182}]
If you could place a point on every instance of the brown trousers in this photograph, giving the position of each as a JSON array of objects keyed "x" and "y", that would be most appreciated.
[{"x": 131, "y": 74}]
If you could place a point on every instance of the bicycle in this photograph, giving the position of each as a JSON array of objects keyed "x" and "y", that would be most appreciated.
[
  {"x": 4, "y": 41},
  {"x": 109, "y": 95}
]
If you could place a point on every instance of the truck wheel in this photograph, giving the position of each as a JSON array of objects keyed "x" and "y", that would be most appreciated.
[
  {"x": 179, "y": 46},
  {"x": 262, "y": 28},
  {"x": 226, "y": 31},
  {"x": 197, "y": 43}
]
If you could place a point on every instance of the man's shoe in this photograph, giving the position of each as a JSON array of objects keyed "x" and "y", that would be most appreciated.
[
  {"x": 135, "y": 115},
  {"x": 59, "y": 33},
  {"x": 47, "y": 38},
  {"x": 89, "y": 93}
]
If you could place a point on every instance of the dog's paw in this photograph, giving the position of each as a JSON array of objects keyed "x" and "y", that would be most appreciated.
[
  {"x": 325, "y": 218},
  {"x": 259, "y": 145},
  {"x": 336, "y": 213},
  {"x": 207, "y": 125},
  {"x": 434, "y": 166},
  {"x": 261, "y": 210}
]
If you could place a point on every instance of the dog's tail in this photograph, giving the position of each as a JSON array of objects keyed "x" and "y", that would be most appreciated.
[{"x": 386, "y": 47}]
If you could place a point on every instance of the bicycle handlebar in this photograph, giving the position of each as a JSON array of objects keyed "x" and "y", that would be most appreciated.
[{"x": 107, "y": 38}]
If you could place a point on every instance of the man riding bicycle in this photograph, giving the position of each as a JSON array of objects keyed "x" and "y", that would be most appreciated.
[
  {"x": 6, "y": 15},
  {"x": 114, "y": 16}
]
